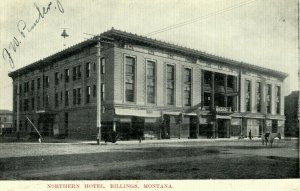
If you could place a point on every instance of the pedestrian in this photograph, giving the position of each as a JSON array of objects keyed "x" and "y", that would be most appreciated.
[{"x": 250, "y": 136}]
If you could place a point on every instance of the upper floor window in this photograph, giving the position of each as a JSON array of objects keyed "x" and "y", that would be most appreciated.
[
  {"x": 32, "y": 85},
  {"x": 26, "y": 104},
  {"x": 32, "y": 103},
  {"x": 230, "y": 82},
  {"x": 67, "y": 75},
  {"x": 129, "y": 78},
  {"x": 56, "y": 78},
  {"x": 248, "y": 95},
  {"x": 38, "y": 83},
  {"x": 187, "y": 86},
  {"x": 219, "y": 78},
  {"x": 102, "y": 91},
  {"x": 66, "y": 98},
  {"x": 20, "y": 89},
  {"x": 87, "y": 69},
  {"x": 88, "y": 94},
  {"x": 207, "y": 77},
  {"x": 46, "y": 82},
  {"x": 74, "y": 73},
  {"x": 26, "y": 87},
  {"x": 170, "y": 84},
  {"x": 79, "y": 71},
  {"x": 102, "y": 65},
  {"x": 56, "y": 99},
  {"x": 94, "y": 90},
  {"x": 277, "y": 100},
  {"x": 78, "y": 96},
  {"x": 151, "y": 82},
  {"x": 258, "y": 96},
  {"x": 74, "y": 96},
  {"x": 47, "y": 99},
  {"x": 268, "y": 97}
]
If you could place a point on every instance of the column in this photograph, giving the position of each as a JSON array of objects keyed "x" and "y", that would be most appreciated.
[
  {"x": 212, "y": 91},
  {"x": 225, "y": 87}
]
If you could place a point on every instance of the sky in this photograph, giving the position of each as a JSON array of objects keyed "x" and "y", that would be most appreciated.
[{"x": 259, "y": 32}]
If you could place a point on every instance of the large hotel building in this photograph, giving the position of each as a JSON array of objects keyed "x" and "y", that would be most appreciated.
[{"x": 165, "y": 90}]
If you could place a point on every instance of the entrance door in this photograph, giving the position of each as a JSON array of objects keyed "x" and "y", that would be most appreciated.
[
  {"x": 223, "y": 128},
  {"x": 193, "y": 127}
]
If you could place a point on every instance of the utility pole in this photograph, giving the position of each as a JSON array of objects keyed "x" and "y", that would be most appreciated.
[
  {"x": 107, "y": 40},
  {"x": 18, "y": 108},
  {"x": 99, "y": 111}
]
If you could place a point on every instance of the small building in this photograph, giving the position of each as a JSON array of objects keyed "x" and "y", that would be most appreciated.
[
  {"x": 6, "y": 121},
  {"x": 161, "y": 89}
]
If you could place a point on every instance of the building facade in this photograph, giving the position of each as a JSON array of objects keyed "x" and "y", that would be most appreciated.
[
  {"x": 6, "y": 122},
  {"x": 165, "y": 90}
]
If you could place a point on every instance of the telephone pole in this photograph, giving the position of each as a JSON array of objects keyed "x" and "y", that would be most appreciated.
[
  {"x": 99, "y": 90},
  {"x": 18, "y": 108},
  {"x": 99, "y": 39}
]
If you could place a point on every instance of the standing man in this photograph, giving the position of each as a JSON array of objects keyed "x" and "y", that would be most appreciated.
[{"x": 250, "y": 136}]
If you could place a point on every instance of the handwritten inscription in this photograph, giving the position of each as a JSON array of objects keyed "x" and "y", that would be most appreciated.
[{"x": 24, "y": 29}]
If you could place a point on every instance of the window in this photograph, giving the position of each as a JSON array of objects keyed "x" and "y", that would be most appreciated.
[
  {"x": 102, "y": 65},
  {"x": 94, "y": 66},
  {"x": 20, "y": 89},
  {"x": 26, "y": 87},
  {"x": 74, "y": 96},
  {"x": 207, "y": 78},
  {"x": 66, "y": 98},
  {"x": 46, "y": 81},
  {"x": 248, "y": 95},
  {"x": 32, "y": 103},
  {"x": 88, "y": 94},
  {"x": 277, "y": 100},
  {"x": 94, "y": 90},
  {"x": 32, "y": 85},
  {"x": 67, "y": 75},
  {"x": 38, "y": 83},
  {"x": 258, "y": 96},
  {"x": 56, "y": 78},
  {"x": 268, "y": 97},
  {"x": 38, "y": 102},
  {"x": 130, "y": 79},
  {"x": 102, "y": 91},
  {"x": 170, "y": 84},
  {"x": 78, "y": 71},
  {"x": 20, "y": 105},
  {"x": 87, "y": 69},
  {"x": 56, "y": 99},
  {"x": 74, "y": 73},
  {"x": 61, "y": 97},
  {"x": 46, "y": 100},
  {"x": 78, "y": 96},
  {"x": 230, "y": 82},
  {"x": 187, "y": 86},
  {"x": 151, "y": 82},
  {"x": 26, "y": 103}
]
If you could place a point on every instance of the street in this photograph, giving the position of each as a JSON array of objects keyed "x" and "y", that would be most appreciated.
[{"x": 164, "y": 159}]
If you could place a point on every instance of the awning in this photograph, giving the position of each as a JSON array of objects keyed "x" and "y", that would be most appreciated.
[
  {"x": 223, "y": 117},
  {"x": 254, "y": 116},
  {"x": 138, "y": 113},
  {"x": 170, "y": 113},
  {"x": 276, "y": 117}
]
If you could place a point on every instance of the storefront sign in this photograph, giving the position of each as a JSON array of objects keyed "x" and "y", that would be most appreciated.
[{"x": 223, "y": 109}]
